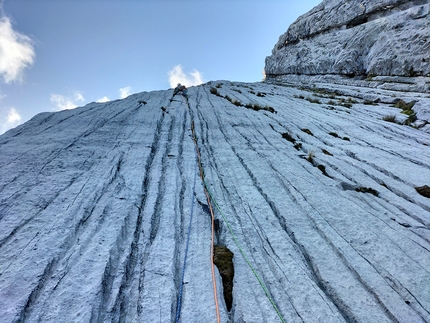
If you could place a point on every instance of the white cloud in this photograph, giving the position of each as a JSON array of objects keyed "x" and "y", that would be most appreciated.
[
  {"x": 103, "y": 99},
  {"x": 177, "y": 75},
  {"x": 79, "y": 97},
  {"x": 13, "y": 116},
  {"x": 66, "y": 103},
  {"x": 10, "y": 120},
  {"x": 124, "y": 92},
  {"x": 16, "y": 51}
]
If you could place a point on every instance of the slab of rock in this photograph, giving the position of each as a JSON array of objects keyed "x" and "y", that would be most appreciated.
[{"x": 95, "y": 206}]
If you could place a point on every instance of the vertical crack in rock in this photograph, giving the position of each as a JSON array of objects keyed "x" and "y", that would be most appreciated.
[
  {"x": 123, "y": 300},
  {"x": 37, "y": 290},
  {"x": 155, "y": 218},
  {"x": 106, "y": 289},
  {"x": 111, "y": 295},
  {"x": 181, "y": 231},
  {"x": 326, "y": 289},
  {"x": 223, "y": 259}
]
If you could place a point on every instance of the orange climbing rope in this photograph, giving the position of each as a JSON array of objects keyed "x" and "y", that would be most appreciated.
[
  {"x": 202, "y": 176},
  {"x": 210, "y": 199}
]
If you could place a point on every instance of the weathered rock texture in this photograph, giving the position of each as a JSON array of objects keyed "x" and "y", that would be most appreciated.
[
  {"x": 358, "y": 38},
  {"x": 322, "y": 202},
  {"x": 95, "y": 204}
]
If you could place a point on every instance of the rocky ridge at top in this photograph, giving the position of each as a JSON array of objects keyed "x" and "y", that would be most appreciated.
[{"x": 382, "y": 41}]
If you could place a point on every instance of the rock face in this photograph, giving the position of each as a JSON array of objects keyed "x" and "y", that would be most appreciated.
[
  {"x": 356, "y": 38},
  {"x": 314, "y": 195},
  {"x": 320, "y": 190}
]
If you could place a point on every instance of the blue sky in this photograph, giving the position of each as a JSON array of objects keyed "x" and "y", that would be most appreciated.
[{"x": 57, "y": 54}]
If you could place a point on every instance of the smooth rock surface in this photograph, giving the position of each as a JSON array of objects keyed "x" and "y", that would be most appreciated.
[{"x": 95, "y": 204}]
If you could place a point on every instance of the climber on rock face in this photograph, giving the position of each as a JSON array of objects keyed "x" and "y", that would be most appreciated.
[{"x": 180, "y": 89}]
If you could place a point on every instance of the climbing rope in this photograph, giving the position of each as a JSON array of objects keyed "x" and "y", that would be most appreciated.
[
  {"x": 211, "y": 198},
  {"x": 198, "y": 163},
  {"x": 260, "y": 281},
  {"x": 202, "y": 176}
]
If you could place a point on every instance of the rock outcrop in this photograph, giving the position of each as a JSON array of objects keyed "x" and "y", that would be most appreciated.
[{"x": 360, "y": 39}]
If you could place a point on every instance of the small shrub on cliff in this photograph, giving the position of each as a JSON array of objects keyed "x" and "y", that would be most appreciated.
[
  {"x": 310, "y": 157},
  {"x": 312, "y": 100},
  {"x": 407, "y": 109},
  {"x": 236, "y": 103},
  {"x": 411, "y": 119},
  {"x": 390, "y": 118},
  {"x": 258, "y": 107},
  {"x": 405, "y": 106},
  {"x": 370, "y": 77},
  {"x": 346, "y": 104}
]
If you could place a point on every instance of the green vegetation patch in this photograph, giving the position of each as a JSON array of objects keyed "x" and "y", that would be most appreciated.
[{"x": 407, "y": 109}]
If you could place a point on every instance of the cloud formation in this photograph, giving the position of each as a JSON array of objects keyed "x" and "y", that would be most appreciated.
[
  {"x": 177, "y": 75},
  {"x": 66, "y": 103},
  {"x": 16, "y": 52},
  {"x": 10, "y": 120},
  {"x": 103, "y": 99},
  {"x": 124, "y": 92}
]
